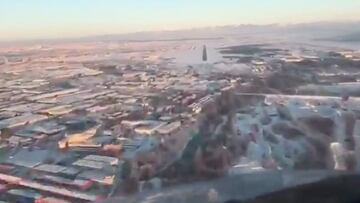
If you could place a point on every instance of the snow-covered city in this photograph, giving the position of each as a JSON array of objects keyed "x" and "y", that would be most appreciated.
[{"x": 210, "y": 114}]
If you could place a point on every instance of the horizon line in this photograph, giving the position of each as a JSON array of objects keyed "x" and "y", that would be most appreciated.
[{"x": 88, "y": 37}]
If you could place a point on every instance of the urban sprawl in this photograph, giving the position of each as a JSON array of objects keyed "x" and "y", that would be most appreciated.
[{"x": 83, "y": 122}]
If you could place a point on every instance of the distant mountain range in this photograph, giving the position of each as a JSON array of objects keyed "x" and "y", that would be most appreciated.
[
  {"x": 313, "y": 30},
  {"x": 346, "y": 31}
]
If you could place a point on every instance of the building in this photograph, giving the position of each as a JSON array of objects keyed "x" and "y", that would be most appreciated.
[{"x": 204, "y": 55}]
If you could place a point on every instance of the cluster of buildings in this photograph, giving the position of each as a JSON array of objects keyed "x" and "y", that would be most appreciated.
[
  {"x": 67, "y": 129},
  {"x": 70, "y": 121}
]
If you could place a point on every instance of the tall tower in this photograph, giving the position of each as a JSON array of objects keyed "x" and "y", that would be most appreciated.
[{"x": 204, "y": 56}]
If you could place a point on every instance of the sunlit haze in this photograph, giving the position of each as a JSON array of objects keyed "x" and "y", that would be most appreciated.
[{"x": 32, "y": 19}]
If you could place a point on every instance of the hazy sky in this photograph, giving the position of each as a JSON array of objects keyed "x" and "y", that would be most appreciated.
[{"x": 29, "y": 19}]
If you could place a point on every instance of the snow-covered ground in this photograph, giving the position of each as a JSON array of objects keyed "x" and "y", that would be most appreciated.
[
  {"x": 191, "y": 54},
  {"x": 277, "y": 136}
]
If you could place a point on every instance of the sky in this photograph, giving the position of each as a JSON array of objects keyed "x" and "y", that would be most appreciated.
[{"x": 39, "y": 19}]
